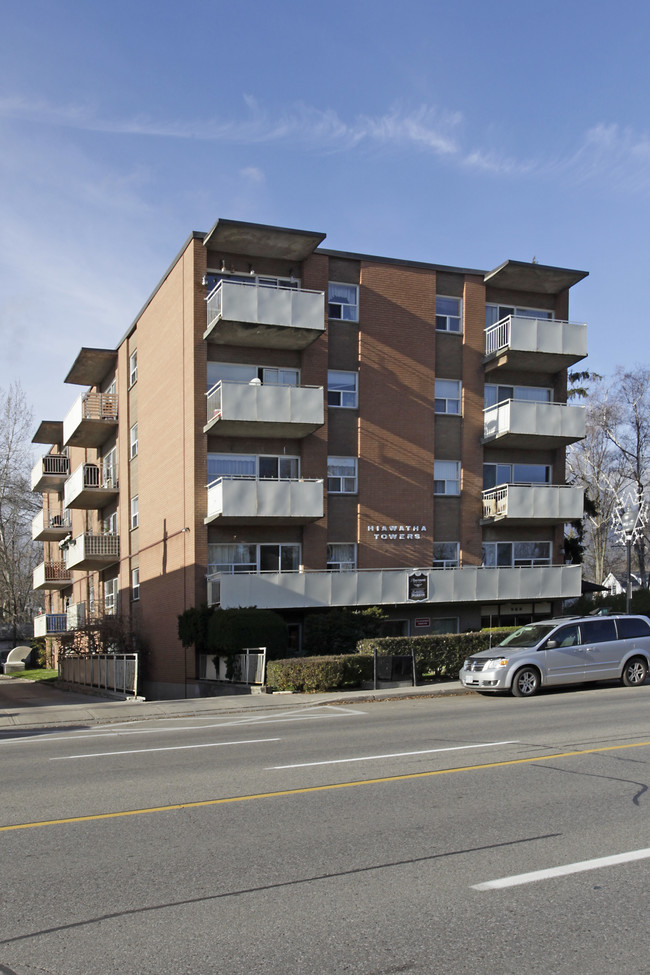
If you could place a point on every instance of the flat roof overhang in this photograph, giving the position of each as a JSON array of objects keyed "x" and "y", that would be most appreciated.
[
  {"x": 538, "y": 278},
  {"x": 91, "y": 366},
  {"x": 260, "y": 240},
  {"x": 49, "y": 431}
]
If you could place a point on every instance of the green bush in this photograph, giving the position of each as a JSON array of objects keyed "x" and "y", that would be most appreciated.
[
  {"x": 39, "y": 652},
  {"x": 339, "y": 630},
  {"x": 318, "y": 673},
  {"x": 438, "y": 655},
  {"x": 232, "y": 630}
]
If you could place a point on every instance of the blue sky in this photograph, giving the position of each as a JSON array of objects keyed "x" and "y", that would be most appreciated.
[{"x": 460, "y": 133}]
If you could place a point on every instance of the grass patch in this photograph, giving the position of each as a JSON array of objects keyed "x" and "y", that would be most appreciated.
[{"x": 42, "y": 674}]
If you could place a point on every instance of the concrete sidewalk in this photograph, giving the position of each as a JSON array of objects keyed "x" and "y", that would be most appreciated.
[{"x": 25, "y": 704}]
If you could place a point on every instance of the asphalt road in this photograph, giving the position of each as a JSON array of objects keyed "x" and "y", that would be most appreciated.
[{"x": 334, "y": 839}]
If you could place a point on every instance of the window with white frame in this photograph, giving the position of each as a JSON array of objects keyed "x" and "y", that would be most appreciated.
[
  {"x": 532, "y": 394},
  {"x": 496, "y": 313},
  {"x": 494, "y": 474},
  {"x": 446, "y": 477},
  {"x": 134, "y": 512},
  {"x": 446, "y": 555},
  {"x": 133, "y": 367},
  {"x": 110, "y": 596},
  {"x": 249, "y": 557},
  {"x": 449, "y": 314},
  {"x": 133, "y": 441},
  {"x": 448, "y": 396},
  {"x": 342, "y": 556},
  {"x": 266, "y": 467},
  {"x": 343, "y": 301},
  {"x": 516, "y": 554},
  {"x": 109, "y": 469},
  {"x": 237, "y": 372},
  {"x": 342, "y": 475},
  {"x": 342, "y": 389},
  {"x": 110, "y": 524},
  {"x": 135, "y": 584}
]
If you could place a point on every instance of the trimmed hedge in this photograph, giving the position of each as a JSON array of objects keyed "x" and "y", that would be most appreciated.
[
  {"x": 318, "y": 673},
  {"x": 440, "y": 655}
]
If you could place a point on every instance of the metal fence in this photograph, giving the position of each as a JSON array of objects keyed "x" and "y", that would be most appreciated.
[{"x": 114, "y": 672}]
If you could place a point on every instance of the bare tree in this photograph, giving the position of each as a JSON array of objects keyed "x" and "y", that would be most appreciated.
[{"x": 18, "y": 553}]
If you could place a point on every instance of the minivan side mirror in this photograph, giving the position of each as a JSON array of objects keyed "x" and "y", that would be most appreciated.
[{"x": 551, "y": 644}]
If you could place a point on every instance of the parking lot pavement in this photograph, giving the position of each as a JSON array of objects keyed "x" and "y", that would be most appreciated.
[{"x": 29, "y": 704}]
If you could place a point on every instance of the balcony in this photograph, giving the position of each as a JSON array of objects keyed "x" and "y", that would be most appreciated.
[
  {"x": 254, "y": 410},
  {"x": 542, "y": 504},
  {"x": 266, "y": 317},
  {"x": 238, "y": 500},
  {"x": 76, "y": 615},
  {"x": 90, "y": 551},
  {"x": 51, "y": 525},
  {"x": 51, "y": 575},
  {"x": 50, "y": 472},
  {"x": 49, "y": 624},
  {"x": 534, "y": 344},
  {"x": 389, "y": 587},
  {"x": 91, "y": 420},
  {"x": 532, "y": 425},
  {"x": 91, "y": 486}
]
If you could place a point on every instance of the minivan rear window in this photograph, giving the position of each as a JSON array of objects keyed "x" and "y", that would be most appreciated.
[{"x": 629, "y": 626}]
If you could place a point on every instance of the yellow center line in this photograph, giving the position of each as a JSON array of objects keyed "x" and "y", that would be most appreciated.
[{"x": 319, "y": 788}]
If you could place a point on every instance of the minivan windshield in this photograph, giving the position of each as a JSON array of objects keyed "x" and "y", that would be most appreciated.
[{"x": 528, "y": 636}]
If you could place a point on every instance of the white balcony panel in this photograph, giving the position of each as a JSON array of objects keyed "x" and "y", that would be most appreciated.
[
  {"x": 91, "y": 420},
  {"x": 50, "y": 526},
  {"x": 240, "y": 500},
  {"x": 252, "y": 410},
  {"x": 50, "y": 472},
  {"x": 90, "y": 551},
  {"x": 303, "y": 590},
  {"x": 76, "y": 615},
  {"x": 522, "y": 423},
  {"x": 91, "y": 486},
  {"x": 534, "y": 344},
  {"x": 544, "y": 504},
  {"x": 48, "y": 624},
  {"x": 254, "y": 315},
  {"x": 51, "y": 575}
]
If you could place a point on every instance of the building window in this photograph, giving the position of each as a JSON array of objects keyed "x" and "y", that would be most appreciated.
[
  {"x": 133, "y": 368},
  {"x": 496, "y": 313},
  {"x": 110, "y": 596},
  {"x": 135, "y": 584},
  {"x": 342, "y": 557},
  {"x": 244, "y": 557},
  {"x": 446, "y": 477},
  {"x": 449, "y": 314},
  {"x": 342, "y": 389},
  {"x": 448, "y": 394},
  {"x": 444, "y": 625},
  {"x": 271, "y": 467},
  {"x": 133, "y": 449},
  {"x": 446, "y": 555},
  {"x": 110, "y": 524},
  {"x": 494, "y": 474},
  {"x": 109, "y": 469},
  {"x": 342, "y": 475},
  {"x": 516, "y": 554},
  {"x": 134, "y": 511},
  {"x": 532, "y": 394},
  {"x": 343, "y": 301}
]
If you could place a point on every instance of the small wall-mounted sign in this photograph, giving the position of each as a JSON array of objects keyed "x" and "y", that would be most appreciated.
[
  {"x": 423, "y": 621},
  {"x": 397, "y": 533},
  {"x": 418, "y": 587}
]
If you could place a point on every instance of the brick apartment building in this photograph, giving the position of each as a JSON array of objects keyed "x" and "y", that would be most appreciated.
[{"x": 295, "y": 428}]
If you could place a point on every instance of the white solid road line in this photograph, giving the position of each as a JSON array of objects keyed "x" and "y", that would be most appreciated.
[
  {"x": 370, "y": 758},
  {"x": 580, "y": 867},
  {"x": 171, "y": 748}
]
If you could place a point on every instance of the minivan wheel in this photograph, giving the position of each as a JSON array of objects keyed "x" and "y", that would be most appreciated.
[
  {"x": 634, "y": 672},
  {"x": 526, "y": 682}
]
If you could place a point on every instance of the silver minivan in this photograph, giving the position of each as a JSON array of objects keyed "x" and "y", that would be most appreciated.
[{"x": 563, "y": 651}]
